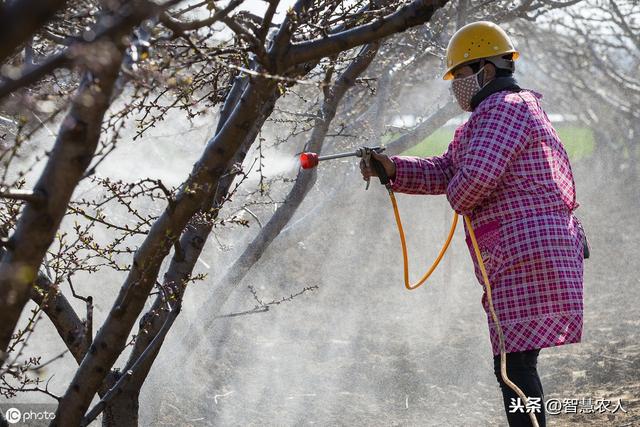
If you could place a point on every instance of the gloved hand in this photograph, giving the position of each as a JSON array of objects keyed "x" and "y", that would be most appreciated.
[{"x": 387, "y": 163}]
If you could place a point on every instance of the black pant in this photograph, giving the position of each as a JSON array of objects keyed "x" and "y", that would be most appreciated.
[{"x": 521, "y": 370}]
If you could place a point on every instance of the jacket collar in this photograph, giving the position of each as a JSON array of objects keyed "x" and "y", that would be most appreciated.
[{"x": 496, "y": 85}]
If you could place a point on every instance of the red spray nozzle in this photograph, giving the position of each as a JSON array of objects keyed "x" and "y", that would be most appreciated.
[{"x": 308, "y": 160}]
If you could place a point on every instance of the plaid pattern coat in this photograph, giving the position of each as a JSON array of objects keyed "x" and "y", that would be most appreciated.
[{"x": 507, "y": 170}]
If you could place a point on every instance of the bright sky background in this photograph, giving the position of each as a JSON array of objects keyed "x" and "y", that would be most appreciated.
[{"x": 258, "y": 7}]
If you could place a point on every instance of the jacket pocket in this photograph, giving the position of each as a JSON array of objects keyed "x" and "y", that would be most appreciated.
[{"x": 489, "y": 240}]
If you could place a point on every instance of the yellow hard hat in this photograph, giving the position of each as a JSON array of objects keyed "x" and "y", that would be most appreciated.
[{"x": 482, "y": 39}]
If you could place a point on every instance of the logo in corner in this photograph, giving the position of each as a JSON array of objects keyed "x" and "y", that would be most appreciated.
[{"x": 13, "y": 415}]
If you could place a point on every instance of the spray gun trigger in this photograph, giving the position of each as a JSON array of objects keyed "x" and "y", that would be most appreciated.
[{"x": 365, "y": 153}]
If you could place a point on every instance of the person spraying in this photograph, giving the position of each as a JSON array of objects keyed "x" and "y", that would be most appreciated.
[{"x": 508, "y": 173}]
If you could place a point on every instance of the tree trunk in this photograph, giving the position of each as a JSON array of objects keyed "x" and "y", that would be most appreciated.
[{"x": 122, "y": 409}]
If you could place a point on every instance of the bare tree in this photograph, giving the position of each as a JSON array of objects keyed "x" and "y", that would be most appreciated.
[{"x": 276, "y": 62}]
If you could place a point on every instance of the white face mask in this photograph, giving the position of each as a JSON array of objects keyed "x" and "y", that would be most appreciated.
[{"x": 464, "y": 88}]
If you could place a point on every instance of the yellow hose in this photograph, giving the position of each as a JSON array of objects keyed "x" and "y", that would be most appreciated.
[
  {"x": 424, "y": 278},
  {"x": 485, "y": 277}
]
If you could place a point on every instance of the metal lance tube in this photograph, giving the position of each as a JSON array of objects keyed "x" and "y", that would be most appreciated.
[
  {"x": 310, "y": 160},
  {"x": 339, "y": 155}
]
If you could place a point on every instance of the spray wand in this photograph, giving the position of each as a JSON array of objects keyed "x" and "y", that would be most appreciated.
[{"x": 310, "y": 160}]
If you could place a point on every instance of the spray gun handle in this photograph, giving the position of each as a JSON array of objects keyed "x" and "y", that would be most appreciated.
[
  {"x": 367, "y": 155},
  {"x": 380, "y": 171}
]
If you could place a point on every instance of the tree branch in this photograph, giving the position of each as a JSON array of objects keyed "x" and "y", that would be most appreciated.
[
  {"x": 179, "y": 27},
  {"x": 192, "y": 240},
  {"x": 32, "y": 74},
  {"x": 130, "y": 17},
  {"x": 266, "y": 21},
  {"x": 415, "y": 13},
  {"x": 20, "y": 19},
  {"x": 148, "y": 258},
  {"x": 72, "y": 152},
  {"x": 55, "y": 305},
  {"x": 33, "y": 197}
]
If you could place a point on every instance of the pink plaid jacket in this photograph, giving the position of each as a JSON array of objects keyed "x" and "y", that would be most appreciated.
[{"x": 507, "y": 170}]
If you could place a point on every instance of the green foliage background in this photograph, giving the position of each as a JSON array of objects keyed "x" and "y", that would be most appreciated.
[{"x": 578, "y": 141}]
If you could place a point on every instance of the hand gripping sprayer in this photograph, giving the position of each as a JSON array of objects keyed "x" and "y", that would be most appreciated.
[{"x": 310, "y": 160}]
